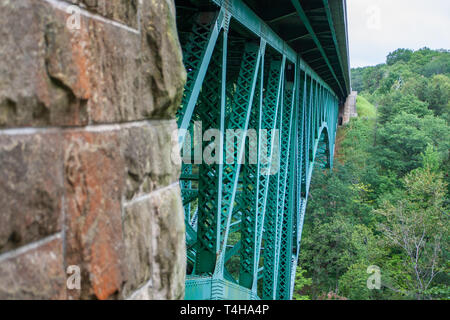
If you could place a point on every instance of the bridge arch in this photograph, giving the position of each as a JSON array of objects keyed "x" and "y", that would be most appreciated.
[{"x": 323, "y": 149}]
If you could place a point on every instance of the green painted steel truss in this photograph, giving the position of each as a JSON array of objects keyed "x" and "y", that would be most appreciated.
[{"x": 244, "y": 218}]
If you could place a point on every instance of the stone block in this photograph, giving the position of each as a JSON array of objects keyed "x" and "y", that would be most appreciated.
[
  {"x": 94, "y": 180},
  {"x": 98, "y": 73},
  {"x": 31, "y": 188},
  {"x": 138, "y": 235},
  {"x": 34, "y": 274},
  {"x": 30, "y": 94},
  {"x": 148, "y": 152},
  {"x": 155, "y": 245},
  {"x": 122, "y": 11},
  {"x": 163, "y": 70}
]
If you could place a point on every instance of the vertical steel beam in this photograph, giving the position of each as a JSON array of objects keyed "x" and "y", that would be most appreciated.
[
  {"x": 198, "y": 69},
  {"x": 267, "y": 193},
  {"x": 238, "y": 120},
  {"x": 248, "y": 199},
  {"x": 286, "y": 245},
  {"x": 304, "y": 111},
  {"x": 208, "y": 181}
]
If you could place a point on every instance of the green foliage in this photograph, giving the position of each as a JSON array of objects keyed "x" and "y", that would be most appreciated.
[
  {"x": 357, "y": 79},
  {"x": 417, "y": 224},
  {"x": 416, "y": 86},
  {"x": 438, "y": 94},
  {"x": 399, "y": 55},
  {"x": 372, "y": 77},
  {"x": 401, "y": 141},
  {"x": 353, "y": 284},
  {"x": 365, "y": 108},
  {"x": 423, "y": 57},
  {"x": 396, "y": 103},
  {"x": 386, "y": 201},
  {"x": 301, "y": 281},
  {"x": 430, "y": 159},
  {"x": 438, "y": 65}
]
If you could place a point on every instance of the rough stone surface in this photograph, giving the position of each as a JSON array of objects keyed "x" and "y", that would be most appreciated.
[
  {"x": 143, "y": 293},
  {"x": 87, "y": 150},
  {"x": 138, "y": 236},
  {"x": 165, "y": 74},
  {"x": 348, "y": 110},
  {"x": 123, "y": 11},
  {"x": 31, "y": 186},
  {"x": 169, "y": 254},
  {"x": 154, "y": 232},
  {"x": 30, "y": 93},
  {"x": 94, "y": 183},
  {"x": 151, "y": 158},
  {"x": 35, "y": 274},
  {"x": 100, "y": 73}
]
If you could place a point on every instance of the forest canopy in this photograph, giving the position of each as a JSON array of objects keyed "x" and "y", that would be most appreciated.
[{"x": 385, "y": 205}]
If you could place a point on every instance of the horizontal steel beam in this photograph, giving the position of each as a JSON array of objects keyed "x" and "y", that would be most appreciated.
[
  {"x": 333, "y": 34},
  {"x": 244, "y": 15}
]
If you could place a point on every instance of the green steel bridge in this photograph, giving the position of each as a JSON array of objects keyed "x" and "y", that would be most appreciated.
[{"x": 279, "y": 68}]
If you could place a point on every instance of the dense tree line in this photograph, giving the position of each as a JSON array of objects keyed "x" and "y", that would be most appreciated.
[{"x": 385, "y": 204}]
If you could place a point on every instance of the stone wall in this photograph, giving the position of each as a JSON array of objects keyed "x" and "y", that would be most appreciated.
[
  {"x": 88, "y": 94},
  {"x": 348, "y": 110}
]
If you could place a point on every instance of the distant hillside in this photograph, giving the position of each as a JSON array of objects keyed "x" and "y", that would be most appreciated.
[
  {"x": 424, "y": 73},
  {"x": 365, "y": 108},
  {"x": 385, "y": 204}
]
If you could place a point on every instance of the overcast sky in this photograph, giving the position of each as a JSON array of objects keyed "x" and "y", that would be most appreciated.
[{"x": 377, "y": 27}]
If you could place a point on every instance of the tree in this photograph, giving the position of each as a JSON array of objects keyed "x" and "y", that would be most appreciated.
[
  {"x": 439, "y": 64},
  {"x": 416, "y": 86},
  {"x": 421, "y": 57},
  {"x": 401, "y": 141},
  {"x": 397, "y": 103},
  {"x": 417, "y": 224},
  {"x": 353, "y": 284},
  {"x": 399, "y": 55},
  {"x": 301, "y": 281},
  {"x": 326, "y": 253},
  {"x": 391, "y": 193},
  {"x": 438, "y": 94},
  {"x": 357, "y": 79},
  {"x": 372, "y": 76}
]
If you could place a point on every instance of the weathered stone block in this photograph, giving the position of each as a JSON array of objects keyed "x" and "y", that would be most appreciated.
[
  {"x": 151, "y": 157},
  {"x": 143, "y": 293},
  {"x": 94, "y": 180},
  {"x": 99, "y": 73},
  {"x": 169, "y": 254},
  {"x": 164, "y": 71},
  {"x": 35, "y": 274},
  {"x": 103, "y": 72},
  {"x": 123, "y": 11},
  {"x": 155, "y": 245},
  {"x": 30, "y": 94},
  {"x": 138, "y": 235},
  {"x": 31, "y": 188}
]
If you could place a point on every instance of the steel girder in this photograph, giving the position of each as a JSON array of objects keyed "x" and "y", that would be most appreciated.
[{"x": 244, "y": 218}]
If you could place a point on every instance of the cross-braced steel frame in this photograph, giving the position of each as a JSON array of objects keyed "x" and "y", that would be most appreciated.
[{"x": 244, "y": 218}]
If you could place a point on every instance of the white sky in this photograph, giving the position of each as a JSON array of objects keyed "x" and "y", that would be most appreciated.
[{"x": 377, "y": 27}]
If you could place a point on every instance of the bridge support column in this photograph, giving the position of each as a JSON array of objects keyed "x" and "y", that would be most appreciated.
[
  {"x": 90, "y": 206},
  {"x": 348, "y": 109}
]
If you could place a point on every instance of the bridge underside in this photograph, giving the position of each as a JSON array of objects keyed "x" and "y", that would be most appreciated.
[{"x": 254, "y": 118}]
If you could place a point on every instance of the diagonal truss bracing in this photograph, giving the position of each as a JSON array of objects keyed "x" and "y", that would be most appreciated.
[{"x": 261, "y": 118}]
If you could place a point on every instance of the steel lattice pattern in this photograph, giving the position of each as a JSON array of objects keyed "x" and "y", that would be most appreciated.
[{"x": 243, "y": 217}]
